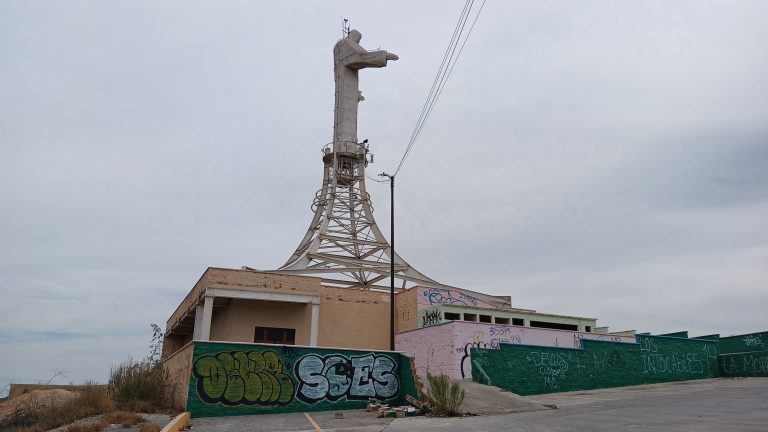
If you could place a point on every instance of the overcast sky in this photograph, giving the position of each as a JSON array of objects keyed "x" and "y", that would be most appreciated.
[{"x": 604, "y": 159}]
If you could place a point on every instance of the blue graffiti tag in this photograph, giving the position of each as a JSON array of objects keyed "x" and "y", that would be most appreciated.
[
  {"x": 438, "y": 296},
  {"x": 335, "y": 376}
]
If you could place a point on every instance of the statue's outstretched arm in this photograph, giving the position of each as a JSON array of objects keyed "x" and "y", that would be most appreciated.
[{"x": 366, "y": 59}]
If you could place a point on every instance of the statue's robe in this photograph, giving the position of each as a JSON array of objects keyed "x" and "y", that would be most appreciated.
[{"x": 349, "y": 57}]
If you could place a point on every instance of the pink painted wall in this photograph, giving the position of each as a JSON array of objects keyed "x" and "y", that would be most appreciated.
[{"x": 445, "y": 348}]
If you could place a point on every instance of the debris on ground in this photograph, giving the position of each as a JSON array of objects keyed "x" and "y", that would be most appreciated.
[{"x": 416, "y": 408}]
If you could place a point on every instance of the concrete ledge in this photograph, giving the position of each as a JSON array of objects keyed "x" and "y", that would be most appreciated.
[{"x": 177, "y": 424}]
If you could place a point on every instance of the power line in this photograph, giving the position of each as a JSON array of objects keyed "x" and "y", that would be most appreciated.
[
  {"x": 444, "y": 72},
  {"x": 440, "y": 69},
  {"x": 439, "y": 77},
  {"x": 442, "y": 84}
]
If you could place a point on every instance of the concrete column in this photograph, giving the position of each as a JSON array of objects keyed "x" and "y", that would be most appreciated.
[
  {"x": 205, "y": 330},
  {"x": 198, "y": 322},
  {"x": 315, "y": 324},
  {"x": 526, "y": 322}
]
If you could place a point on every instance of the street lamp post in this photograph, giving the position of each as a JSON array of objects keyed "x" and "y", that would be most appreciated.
[{"x": 391, "y": 260}]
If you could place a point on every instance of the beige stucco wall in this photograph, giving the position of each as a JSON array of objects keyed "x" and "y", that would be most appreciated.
[
  {"x": 348, "y": 317},
  {"x": 247, "y": 280},
  {"x": 406, "y": 312},
  {"x": 238, "y": 320},
  {"x": 172, "y": 343},
  {"x": 178, "y": 367},
  {"x": 352, "y": 318}
]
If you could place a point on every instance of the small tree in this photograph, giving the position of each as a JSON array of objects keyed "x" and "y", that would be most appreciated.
[{"x": 156, "y": 347}]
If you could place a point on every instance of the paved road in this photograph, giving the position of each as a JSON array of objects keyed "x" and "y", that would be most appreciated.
[{"x": 703, "y": 405}]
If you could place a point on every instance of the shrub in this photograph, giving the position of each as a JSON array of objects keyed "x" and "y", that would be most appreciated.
[
  {"x": 131, "y": 382},
  {"x": 444, "y": 395},
  {"x": 93, "y": 398}
]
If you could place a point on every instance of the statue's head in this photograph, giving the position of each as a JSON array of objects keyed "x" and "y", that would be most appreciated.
[{"x": 355, "y": 35}]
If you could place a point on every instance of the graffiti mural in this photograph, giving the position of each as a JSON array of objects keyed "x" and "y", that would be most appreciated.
[
  {"x": 243, "y": 378},
  {"x": 336, "y": 376},
  {"x": 446, "y": 348}
]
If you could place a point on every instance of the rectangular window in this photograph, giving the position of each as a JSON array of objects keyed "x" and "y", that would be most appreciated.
[
  {"x": 588, "y": 329},
  {"x": 470, "y": 317},
  {"x": 452, "y": 316},
  {"x": 485, "y": 318},
  {"x": 518, "y": 321},
  {"x": 274, "y": 335},
  {"x": 556, "y": 326},
  {"x": 499, "y": 320}
]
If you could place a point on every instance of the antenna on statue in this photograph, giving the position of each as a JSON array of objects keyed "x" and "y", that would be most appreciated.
[{"x": 344, "y": 27}]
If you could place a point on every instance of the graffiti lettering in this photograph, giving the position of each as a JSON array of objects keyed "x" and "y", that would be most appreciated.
[
  {"x": 577, "y": 338},
  {"x": 499, "y": 330},
  {"x": 675, "y": 363},
  {"x": 430, "y": 318},
  {"x": 753, "y": 341},
  {"x": 243, "y": 378},
  {"x": 614, "y": 359},
  {"x": 647, "y": 344},
  {"x": 516, "y": 339},
  {"x": 731, "y": 366},
  {"x": 551, "y": 366},
  {"x": 755, "y": 365},
  {"x": 440, "y": 296},
  {"x": 335, "y": 376}
]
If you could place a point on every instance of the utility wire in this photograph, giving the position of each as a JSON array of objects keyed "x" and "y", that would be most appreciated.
[
  {"x": 440, "y": 69},
  {"x": 442, "y": 84},
  {"x": 450, "y": 58},
  {"x": 438, "y": 79}
]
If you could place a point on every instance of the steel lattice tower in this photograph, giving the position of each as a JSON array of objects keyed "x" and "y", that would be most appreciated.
[{"x": 343, "y": 242}]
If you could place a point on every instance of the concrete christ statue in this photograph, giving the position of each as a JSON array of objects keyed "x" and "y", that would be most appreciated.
[{"x": 348, "y": 58}]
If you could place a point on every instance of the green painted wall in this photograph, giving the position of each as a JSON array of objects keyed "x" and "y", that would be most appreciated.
[
  {"x": 713, "y": 337},
  {"x": 527, "y": 370},
  {"x": 744, "y": 343},
  {"x": 746, "y": 364},
  {"x": 239, "y": 379},
  {"x": 681, "y": 334}
]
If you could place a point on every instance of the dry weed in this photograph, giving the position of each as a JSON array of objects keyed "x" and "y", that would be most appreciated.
[
  {"x": 87, "y": 426},
  {"x": 149, "y": 427},
  {"x": 122, "y": 418},
  {"x": 140, "y": 406}
]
